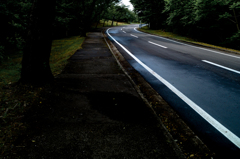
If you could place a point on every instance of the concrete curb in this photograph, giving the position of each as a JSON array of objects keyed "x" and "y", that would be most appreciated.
[{"x": 174, "y": 127}]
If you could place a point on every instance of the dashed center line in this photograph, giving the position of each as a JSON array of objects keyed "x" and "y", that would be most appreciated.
[
  {"x": 229, "y": 69},
  {"x": 157, "y": 44},
  {"x": 190, "y": 45},
  {"x": 134, "y": 36},
  {"x": 124, "y": 31}
]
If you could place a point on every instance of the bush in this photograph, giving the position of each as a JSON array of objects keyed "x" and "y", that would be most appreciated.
[{"x": 234, "y": 41}]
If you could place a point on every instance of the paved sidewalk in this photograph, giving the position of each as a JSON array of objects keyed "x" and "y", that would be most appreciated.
[{"x": 94, "y": 111}]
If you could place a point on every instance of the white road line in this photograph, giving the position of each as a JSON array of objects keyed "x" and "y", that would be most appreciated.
[
  {"x": 229, "y": 69},
  {"x": 137, "y": 30},
  {"x": 134, "y": 36},
  {"x": 192, "y": 45},
  {"x": 157, "y": 44},
  {"x": 124, "y": 31},
  {"x": 227, "y": 133}
]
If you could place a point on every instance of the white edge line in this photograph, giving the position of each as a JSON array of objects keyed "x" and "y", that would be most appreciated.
[
  {"x": 190, "y": 45},
  {"x": 137, "y": 30},
  {"x": 124, "y": 31},
  {"x": 227, "y": 133},
  {"x": 134, "y": 36},
  {"x": 221, "y": 66},
  {"x": 157, "y": 44}
]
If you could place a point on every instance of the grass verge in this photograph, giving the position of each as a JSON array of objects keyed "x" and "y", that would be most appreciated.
[
  {"x": 15, "y": 100},
  {"x": 62, "y": 50},
  {"x": 108, "y": 23},
  {"x": 182, "y": 38}
]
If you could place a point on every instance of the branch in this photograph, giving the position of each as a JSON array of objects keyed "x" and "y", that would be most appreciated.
[{"x": 231, "y": 20}]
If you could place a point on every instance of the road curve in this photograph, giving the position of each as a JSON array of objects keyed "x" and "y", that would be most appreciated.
[{"x": 201, "y": 84}]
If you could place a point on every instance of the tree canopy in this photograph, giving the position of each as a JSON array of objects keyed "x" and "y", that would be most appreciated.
[{"x": 30, "y": 26}]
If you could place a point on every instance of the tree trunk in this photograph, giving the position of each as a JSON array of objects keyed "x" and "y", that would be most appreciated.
[
  {"x": 88, "y": 18},
  {"x": 98, "y": 21},
  {"x": 35, "y": 62},
  {"x": 97, "y": 24},
  {"x": 112, "y": 20},
  {"x": 236, "y": 19},
  {"x": 103, "y": 22}
]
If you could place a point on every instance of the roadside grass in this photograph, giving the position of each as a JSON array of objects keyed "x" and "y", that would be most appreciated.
[
  {"x": 62, "y": 50},
  {"x": 182, "y": 38},
  {"x": 108, "y": 23},
  {"x": 16, "y": 99},
  {"x": 10, "y": 69}
]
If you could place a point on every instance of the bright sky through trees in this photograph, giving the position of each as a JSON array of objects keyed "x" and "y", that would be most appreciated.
[{"x": 127, "y": 3}]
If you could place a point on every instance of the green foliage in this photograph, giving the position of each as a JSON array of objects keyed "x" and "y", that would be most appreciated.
[
  {"x": 72, "y": 18},
  {"x": 76, "y": 17},
  {"x": 234, "y": 41},
  {"x": 150, "y": 11},
  {"x": 64, "y": 18},
  {"x": 14, "y": 17},
  {"x": 180, "y": 14},
  {"x": 120, "y": 13},
  {"x": 212, "y": 21}
]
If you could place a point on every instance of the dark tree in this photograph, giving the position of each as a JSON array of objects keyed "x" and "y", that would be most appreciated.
[
  {"x": 150, "y": 11},
  {"x": 35, "y": 62}
]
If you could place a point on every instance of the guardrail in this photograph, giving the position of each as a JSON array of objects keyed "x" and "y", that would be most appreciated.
[{"x": 142, "y": 25}]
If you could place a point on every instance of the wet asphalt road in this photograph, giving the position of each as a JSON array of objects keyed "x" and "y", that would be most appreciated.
[{"x": 202, "y": 85}]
